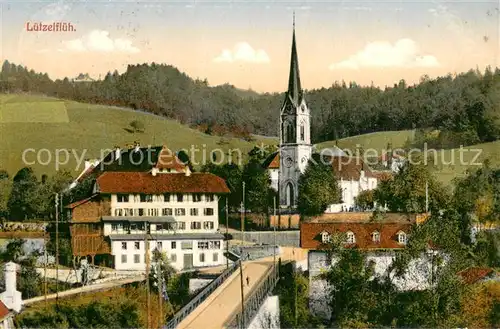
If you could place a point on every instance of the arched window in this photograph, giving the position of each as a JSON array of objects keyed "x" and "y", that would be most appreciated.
[
  {"x": 289, "y": 194},
  {"x": 289, "y": 132},
  {"x": 402, "y": 238},
  {"x": 350, "y": 237},
  {"x": 302, "y": 131},
  {"x": 376, "y": 236}
]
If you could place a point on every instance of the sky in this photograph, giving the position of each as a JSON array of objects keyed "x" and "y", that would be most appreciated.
[{"x": 247, "y": 43}]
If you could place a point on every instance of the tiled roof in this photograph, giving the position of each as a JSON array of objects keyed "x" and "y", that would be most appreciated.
[
  {"x": 77, "y": 203},
  {"x": 364, "y": 217},
  {"x": 475, "y": 274},
  {"x": 151, "y": 219},
  {"x": 383, "y": 175},
  {"x": 143, "y": 182},
  {"x": 176, "y": 236},
  {"x": 168, "y": 160},
  {"x": 345, "y": 167},
  {"x": 310, "y": 234},
  {"x": 4, "y": 311}
]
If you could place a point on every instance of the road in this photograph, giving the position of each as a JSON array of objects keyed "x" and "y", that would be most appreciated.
[
  {"x": 218, "y": 307},
  {"x": 90, "y": 288}
]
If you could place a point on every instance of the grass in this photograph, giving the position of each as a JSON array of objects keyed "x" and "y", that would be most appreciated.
[{"x": 88, "y": 131}]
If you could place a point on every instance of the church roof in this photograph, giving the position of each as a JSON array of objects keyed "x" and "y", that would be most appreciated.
[
  {"x": 294, "y": 87},
  {"x": 272, "y": 161}
]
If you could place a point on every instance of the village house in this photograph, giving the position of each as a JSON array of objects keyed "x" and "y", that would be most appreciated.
[
  {"x": 163, "y": 205},
  {"x": 379, "y": 236},
  {"x": 11, "y": 299}
]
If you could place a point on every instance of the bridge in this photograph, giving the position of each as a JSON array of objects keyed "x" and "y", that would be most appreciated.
[{"x": 219, "y": 304}]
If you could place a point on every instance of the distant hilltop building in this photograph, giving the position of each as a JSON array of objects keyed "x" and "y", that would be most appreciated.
[{"x": 83, "y": 78}]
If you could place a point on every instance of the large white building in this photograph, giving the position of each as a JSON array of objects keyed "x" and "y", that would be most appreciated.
[
  {"x": 286, "y": 166},
  {"x": 167, "y": 207}
]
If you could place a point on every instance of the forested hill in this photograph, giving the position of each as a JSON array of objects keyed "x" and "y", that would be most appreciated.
[{"x": 463, "y": 106}]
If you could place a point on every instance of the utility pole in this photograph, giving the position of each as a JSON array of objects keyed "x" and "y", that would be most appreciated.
[
  {"x": 160, "y": 291},
  {"x": 45, "y": 274},
  {"x": 227, "y": 234},
  {"x": 146, "y": 247},
  {"x": 242, "y": 297},
  {"x": 274, "y": 226},
  {"x": 426, "y": 196},
  {"x": 57, "y": 249},
  {"x": 243, "y": 216}
]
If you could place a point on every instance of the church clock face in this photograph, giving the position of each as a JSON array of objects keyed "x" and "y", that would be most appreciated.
[{"x": 288, "y": 162}]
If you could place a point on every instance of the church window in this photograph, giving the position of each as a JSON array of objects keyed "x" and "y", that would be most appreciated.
[
  {"x": 302, "y": 132},
  {"x": 289, "y": 194}
]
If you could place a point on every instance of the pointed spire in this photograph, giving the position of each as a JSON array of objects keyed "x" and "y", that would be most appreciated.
[{"x": 294, "y": 87}]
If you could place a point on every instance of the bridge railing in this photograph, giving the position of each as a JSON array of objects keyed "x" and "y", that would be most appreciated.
[
  {"x": 200, "y": 297},
  {"x": 253, "y": 303}
]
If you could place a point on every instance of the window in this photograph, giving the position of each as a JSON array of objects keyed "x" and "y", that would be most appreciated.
[
  {"x": 350, "y": 237},
  {"x": 180, "y": 212},
  {"x": 114, "y": 227},
  {"x": 209, "y": 197},
  {"x": 124, "y": 259},
  {"x": 202, "y": 245},
  {"x": 202, "y": 258},
  {"x": 208, "y": 225},
  {"x": 216, "y": 244},
  {"x": 166, "y": 197},
  {"x": 216, "y": 257},
  {"x": 196, "y": 197},
  {"x": 137, "y": 258},
  {"x": 196, "y": 225},
  {"x": 146, "y": 198},
  {"x": 173, "y": 258},
  {"x": 302, "y": 132},
  {"x": 122, "y": 197},
  {"x": 325, "y": 237},
  {"x": 166, "y": 212},
  {"x": 180, "y": 197},
  {"x": 181, "y": 225},
  {"x": 376, "y": 237},
  {"x": 402, "y": 237},
  {"x": 187, "y": 245},
  {"x": 124, "y": 246},
  {"x": 140, "y": 212},
  {"x": 128, "y": 212},
  {"x": 173, "y": 245},
  {"x": 137, "y": 245},
  {"x": 159, "y": 227},
  {"x": 153, "y": 212},
  {"x": 118, "y": 212},
  {"x": 194, "y": 212},
  {"x": 208, "y": 211},
  {"x": 159, "y": 245},
  {"x": 133, "y": 227}
]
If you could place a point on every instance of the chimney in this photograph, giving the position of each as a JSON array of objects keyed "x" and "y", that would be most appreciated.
[
  {"x": 137, "y": 146},
  {"x": 117, "y": 152},
  {"x": 187, "y": 172},
  {"x": 11, "y": 297},
  {"x": 154, "y": 172}
]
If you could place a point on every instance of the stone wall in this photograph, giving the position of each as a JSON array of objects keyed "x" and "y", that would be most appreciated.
[
  {"x": 268, "y": 316},
  {"x": 285, "y": 239},
  {"x": 417, "y": 277}
]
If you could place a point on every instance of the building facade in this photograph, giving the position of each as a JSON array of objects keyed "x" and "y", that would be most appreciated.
[
  {"x": 379, "y": 238},
  {"x": 133, "y": 213}
]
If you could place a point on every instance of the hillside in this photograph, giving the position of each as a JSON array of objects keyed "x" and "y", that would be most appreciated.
[{"x": 51, "y": 124}]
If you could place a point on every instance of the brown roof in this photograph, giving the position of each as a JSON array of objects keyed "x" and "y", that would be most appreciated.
[
  {"x": 364, "y": 217},
  {"x": 143, "y": 182},
  {"x": 310, "y": 234},
  {"x": 475, "y": 274},
  {"x": 273, "y": 161},
  {"x": 383, "y": 175},
  {"x": 348, "y": 168},
  {"x": 77, "y": 203},
  {"x": 168, "y": 160},
  {"x": 4, "y": 311}
]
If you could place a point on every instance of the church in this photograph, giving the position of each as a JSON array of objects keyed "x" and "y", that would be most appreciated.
[{"x": 295, "y": 149}]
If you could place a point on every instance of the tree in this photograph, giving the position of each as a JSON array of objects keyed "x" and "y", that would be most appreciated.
[
  {"x": 24, "y": 199},
  {"x": 137, "y": 126},
  {"x": 257, "y": 186},
  {"x": 5, "y": 191},
  {"x": 318, "y": 188},
  {"x": 232, "y": 174},
  {"x": 364, "y": 200},
  {"x": 406, "y": 192}
]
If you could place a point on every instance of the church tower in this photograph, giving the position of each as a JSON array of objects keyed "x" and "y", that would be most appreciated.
[{"x": 295, "y": 137}]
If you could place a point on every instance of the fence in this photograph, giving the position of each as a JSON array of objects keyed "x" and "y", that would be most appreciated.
[
  {"x": 285, "y": 239},
  {"x": 200, "y": 297},
  {"x": 255, "y": 252},
  {"x": 253, "y": 303}
]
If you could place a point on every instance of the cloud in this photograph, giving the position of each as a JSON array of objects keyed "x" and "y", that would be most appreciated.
[
  {"x": 58, "y": 9},
  {"x": 99, "y": 41},
  {"x": 358, "y": 8},
  {"x": 403, "y": 53},
  {"x": 243, "y": 52}
]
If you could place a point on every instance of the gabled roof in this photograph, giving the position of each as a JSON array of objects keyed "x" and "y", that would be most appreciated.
[
  {"x": 77, "y": 203},
  {"x": 169, "y": 160},
  {"x": 143, "y": 182},
  {"x": 475, "y": 274},
  {"x": 140, "y": 159},
  {"x": 272, "y": 161},
  {"x": 4, "y": 311}
]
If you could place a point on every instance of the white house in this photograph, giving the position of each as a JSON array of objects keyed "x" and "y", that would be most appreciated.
[{"x": 165, "y": 206}]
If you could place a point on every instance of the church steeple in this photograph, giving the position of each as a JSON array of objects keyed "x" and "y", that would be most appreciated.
[{"x": 294, "y": 88}]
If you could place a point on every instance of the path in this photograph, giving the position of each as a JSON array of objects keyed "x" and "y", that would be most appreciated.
[
  {"x": 90, "y": 288},
  {"x": 220, "y": 305}
]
